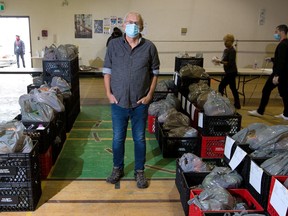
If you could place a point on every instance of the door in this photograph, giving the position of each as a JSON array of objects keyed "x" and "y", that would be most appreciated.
[{"x": 14, "y": 26}]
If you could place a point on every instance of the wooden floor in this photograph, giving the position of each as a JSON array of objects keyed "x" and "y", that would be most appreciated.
[{"x": 96, "y": 197}]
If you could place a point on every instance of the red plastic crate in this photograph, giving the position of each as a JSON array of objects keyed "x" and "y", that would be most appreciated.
[
  {"x": 212, "y": 146},
  {"x": 46, "y": 163},
  {"x": 270, "y": 209},
  {"x": 151, "y": 124},
  {"x": 241, "y": 193}
]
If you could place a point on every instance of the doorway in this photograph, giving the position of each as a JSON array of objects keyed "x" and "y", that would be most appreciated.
[{"x": 13, "y": 26}]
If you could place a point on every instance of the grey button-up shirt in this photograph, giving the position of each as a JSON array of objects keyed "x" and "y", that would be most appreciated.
[{"x": 131, "y": 70}]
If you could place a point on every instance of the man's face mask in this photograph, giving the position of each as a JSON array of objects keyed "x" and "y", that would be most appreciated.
[
  {"x": 277, "y": 37},
  {"x": 132, "y": 30}
]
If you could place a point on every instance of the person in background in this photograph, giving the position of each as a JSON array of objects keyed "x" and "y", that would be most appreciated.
[
  {"x": 19, "y": 50},
  {"x": 130, "y": 71},
  {"x": 116, "y": 33},
  {"x": 230, "y": 68},
  {"x": 279, "y": 76}
]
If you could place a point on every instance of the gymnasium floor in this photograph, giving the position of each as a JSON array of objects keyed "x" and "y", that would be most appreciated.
[{"x": 76, "y": 184}]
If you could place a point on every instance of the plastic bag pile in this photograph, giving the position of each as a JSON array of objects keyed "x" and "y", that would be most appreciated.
[
  {"x": 193, "y": 71},
  {"x": 41, "y": 104},
  {"x": 267, "y": 141},
  {"x": 12, "y": 138},
  {"x": 218, "y": 198},
  {"x": 62, "y": 52},
  {"x": 191, "y": 163},
  {"x": 162, "y": 88}
]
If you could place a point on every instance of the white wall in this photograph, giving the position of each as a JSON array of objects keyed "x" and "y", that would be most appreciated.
[{"x": 207, "y": 21}]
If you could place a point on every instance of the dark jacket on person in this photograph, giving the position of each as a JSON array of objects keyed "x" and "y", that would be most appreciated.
[
  {"x": 280, "y": 65},
  {"x": 19, "y": 47},
  {"x": 229, "y": 56}
]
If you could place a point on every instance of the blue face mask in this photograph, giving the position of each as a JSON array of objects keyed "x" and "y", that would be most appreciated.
[
  {"x": 277, "y": 37},
  {"x": 132, "y": 30}
]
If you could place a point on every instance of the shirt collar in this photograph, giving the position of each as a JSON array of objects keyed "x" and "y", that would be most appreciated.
[{"x": 139, "y": 40}]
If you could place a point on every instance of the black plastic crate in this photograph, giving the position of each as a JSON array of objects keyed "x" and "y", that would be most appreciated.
[
  {"x": 185, "y": 181},
  {"x": 183, "y": 83},
  {"x": 31, "y": 87},
  {"x": 20, "y": 167},
  {"x": 58, "y": 144},
  {"x": 219, "y": 125},
  {"x": 262, "y": 197},
  {"x": 20, "y": 186},
  {"x": 44, "y": 136},
  {"x": 181, "y": 62},
  {"x": 244, "y": 169},
  {"x": 67, "y": 69},
  {"x": 72, "y": 115},
  {"x": 173, "y": 147},
  {"x": 20, "y": 196}
]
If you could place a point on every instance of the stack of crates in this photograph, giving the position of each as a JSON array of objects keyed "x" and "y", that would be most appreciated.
[
  {"x": 173, "y": 147},
  {"x": 46, "y": 137},
  {"x": 20, "y": 185},
  {"x": 212, "y": 130},
  {"x": 259, "y": 182},
  {"x": 68, "y": 70},
  {"x": 52, "y": 135}
]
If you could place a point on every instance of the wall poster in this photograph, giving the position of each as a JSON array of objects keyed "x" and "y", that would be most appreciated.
[{"x": 83, "y": 25}]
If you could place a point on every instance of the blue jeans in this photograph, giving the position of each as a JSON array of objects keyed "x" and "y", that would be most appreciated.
[
  {"x": 120, "y": 119},
  {"x": 22, "y": 58}
]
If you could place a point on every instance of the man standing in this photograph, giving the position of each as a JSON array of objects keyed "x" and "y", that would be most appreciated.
[
  {"x": 19, "y": 50},
  {"x": 279, "y": 75},
  {"x": 131, "y": 67}
]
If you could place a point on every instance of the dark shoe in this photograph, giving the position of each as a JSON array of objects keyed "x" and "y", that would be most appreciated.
[
  {"x": 237, "y": 105},
  {"x": 140, "y": 178},
  {"x": 116, "y": 175}
]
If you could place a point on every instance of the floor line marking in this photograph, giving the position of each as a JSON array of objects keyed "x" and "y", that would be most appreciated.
[{"x": 116, "y": 201}]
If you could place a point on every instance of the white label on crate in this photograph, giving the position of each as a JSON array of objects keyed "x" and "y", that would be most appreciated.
[
  {"x": 237, "y": 157},
  {"x": 179, "y": 96},
  {"x": 200, "y": 119},
  {"x": 228, "y": 146},
  {"x": 183, "y": 102},
  {"x": 175, "y": 77},
  {"x": 188, "y": 105},
  {"x": 255, "y": 175},
  {"x": 193, "y": 112},
  {"x": 279, "y": 198}
]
